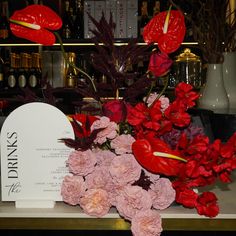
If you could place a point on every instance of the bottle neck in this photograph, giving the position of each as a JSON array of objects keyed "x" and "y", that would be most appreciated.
[
  {"x": 13, "y": 60},
  {"x": 36, "y": 61},
  {"x": 24, "y": 61},
  {"x": 144, "y": 11}
]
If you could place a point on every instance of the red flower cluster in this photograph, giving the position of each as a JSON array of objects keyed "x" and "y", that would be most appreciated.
[
  {"x": 205, "y": 163},
  {"x": 151, "y": 119},
  {"x": 193, "y": 163}
]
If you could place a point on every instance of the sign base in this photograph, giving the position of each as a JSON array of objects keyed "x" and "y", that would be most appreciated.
[{"x": 34, "y": 204}]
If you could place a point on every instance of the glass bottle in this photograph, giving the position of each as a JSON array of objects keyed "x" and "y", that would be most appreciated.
[
  {"x": 1, "y": 74},
  {"x": 4, "y": 24},
  {"x": 35, "y": 71},
  {"x": 156, "y": 8},
  {"x": 129, "y": 80},
  {"x": 67, "y": 28},
  {"x": 144, "y": 19},
  {"x": 23, "y": 70},
  {"x": 71, "y": 74},
  {"x": 79, "y": 21},
  {"x": 12, "y": 75}
]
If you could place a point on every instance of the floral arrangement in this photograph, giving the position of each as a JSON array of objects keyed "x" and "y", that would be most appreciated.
[
  {"x": 142, "y": 156},
  {"x": 213, "y": 25}
]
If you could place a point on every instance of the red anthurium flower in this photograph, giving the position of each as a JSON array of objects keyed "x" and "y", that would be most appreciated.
[
  {"x": 207, "y": 204},
  {"x": 159, "y": 63},
  {"x": 33, "y": 23},
  {"x": 166, "y": 30},
  {"x": 156, "y": 156}
]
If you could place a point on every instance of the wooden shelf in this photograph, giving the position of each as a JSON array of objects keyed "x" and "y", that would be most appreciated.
[{"x": 65, "y": 217}]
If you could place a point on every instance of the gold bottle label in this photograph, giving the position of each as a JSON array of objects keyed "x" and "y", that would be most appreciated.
[{"x": 70, "y": 82}]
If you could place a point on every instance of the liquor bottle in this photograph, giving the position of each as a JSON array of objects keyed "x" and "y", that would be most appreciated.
[
  {"x": 1, "y": 74},
  {"x": 67, "y": 28},
  {"x": 23, "y": 70},
  {"x": 144, "y": 19},
  {"x": 129, "y": 70},
  {"x": 156, "y": 8},
  {"x": 4, "y": 24},
  {"x": 79, "y": 21},
  {"x": 12, "y": 74},
  {"x": 35, "y": 73},
  {"x": 71, "y": 74}
]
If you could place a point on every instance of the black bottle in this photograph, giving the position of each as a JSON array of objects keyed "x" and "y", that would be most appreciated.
[
  {"x": 144, "y": 19},
  {"x": 79, "y": 21}
]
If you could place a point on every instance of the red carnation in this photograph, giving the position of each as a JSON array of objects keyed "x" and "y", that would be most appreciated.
[{"x": 207, "y": 204}]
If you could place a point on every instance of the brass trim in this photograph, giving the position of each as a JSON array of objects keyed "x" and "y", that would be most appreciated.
[
  {"x": 169, "y": 224},
  {"x": 77, "y": 44}
]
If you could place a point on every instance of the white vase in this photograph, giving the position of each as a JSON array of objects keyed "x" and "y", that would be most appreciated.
[
  {"x": 213, "y": 96},
  {"x": 229, "y": 76}
]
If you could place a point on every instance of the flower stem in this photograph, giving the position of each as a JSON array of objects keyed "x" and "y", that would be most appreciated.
[
  {"x": 75, "y": 67},
  {"x": 150, "y": 90},
  {"x": 166, "y": 80}
]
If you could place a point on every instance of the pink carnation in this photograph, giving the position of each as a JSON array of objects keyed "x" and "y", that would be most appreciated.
[
  {"x": 165, "y": 102},
  {"x": 109, "y": 129},
  {"x": 104, "y": 157},
  {"x": 122, "y": 144},
  {"x": 125, "y": 169},
  {"x": 81, "y": 163},
  {"x": 99, "y": 178},
  {"x": 73, "y": 187},
  {"x": 152, "y": 177},
  {"x": 95, "y": 202},
  {"x": 146, "y": 223},
  {"x": 162, "y": 193},
  {"x": 131, "y": 200},
  {"x": 114, "y": 189}
]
